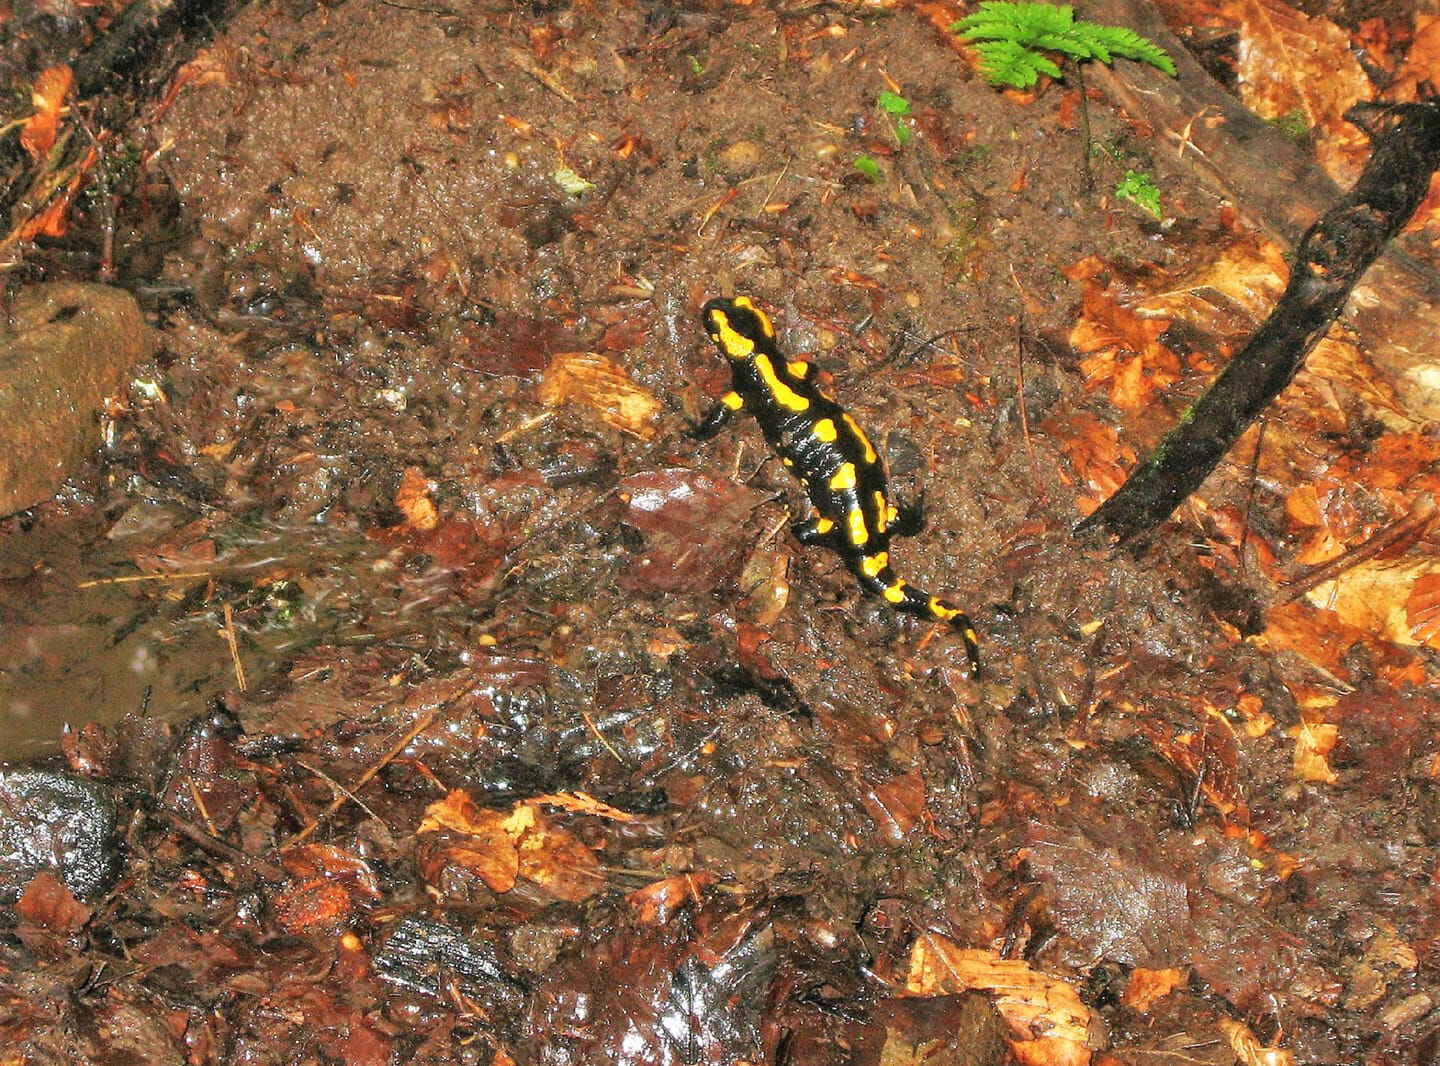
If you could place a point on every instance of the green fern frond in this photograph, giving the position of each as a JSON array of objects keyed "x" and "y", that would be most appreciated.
[{"x": 1012, "y": 37}]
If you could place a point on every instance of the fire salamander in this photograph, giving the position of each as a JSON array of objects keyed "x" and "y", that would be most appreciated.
[{"x": 823, "y": 446}]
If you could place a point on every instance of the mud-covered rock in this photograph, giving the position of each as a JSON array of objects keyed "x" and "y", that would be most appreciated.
[
  {"x": 55, "y": 822},
  {"x": 65, "y": 347}
]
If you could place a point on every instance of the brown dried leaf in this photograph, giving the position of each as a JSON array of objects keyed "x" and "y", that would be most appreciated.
[
  {"x": 1050, "y": 1022},
  {"x": 1289, "y": 64},
  {"x": 554, "y": 858},
  {"x": 598, "y": 382},
  {"x": 583, "y": 803},
  {"x": 1245, "y": 280},
  {"x": 1422, "y": 609},
  {"x": 48, "y": 903},
  {"x": 694, "y": 527},
  {"x": 52, "y": 86}
]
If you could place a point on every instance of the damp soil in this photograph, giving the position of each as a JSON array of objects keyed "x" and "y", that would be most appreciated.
[{"x": 443, "y": 569}]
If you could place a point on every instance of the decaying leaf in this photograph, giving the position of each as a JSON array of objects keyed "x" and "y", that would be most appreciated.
[
  {"x": 1050, "y": 1023},
  {"x": 1248, "y": 1048},
  {"x": 1313, "y": 744},
  {"x": 656, "y": 903},
  {"x": 413, "y": 500},
  {"x": 600, "y": 383},
  {"x": 52, "y": 86},
  {"x": 1293, "y": 66},
  {"x": 1121, "y": 346},
  {"x": 501, "y": 847},
  {"x": 1147, "y": 986},
  {"x": 1397, "y": 600}
]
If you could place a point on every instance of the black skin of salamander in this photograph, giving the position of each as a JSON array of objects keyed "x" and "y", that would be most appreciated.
[{"x": 791, "y": 436}]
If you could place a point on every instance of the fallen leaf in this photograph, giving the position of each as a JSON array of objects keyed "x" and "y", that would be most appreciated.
[
  {"x": 1313, "y": 743},
  {"x": 1147, "y": 986},
  {"x": 1293, "y": 65},
  {"x": 657, "y": 903},
  {"x": 1050, "y": 1023},
  {"x": 598, "y": 382},
  {"x": 48, "y": 903},
  {"x": 1248, "y": 1048},
  {"x": 1397, "y": 600},
  {"x": 52, "y": 86},
  {"x": 412, "y": 499}
]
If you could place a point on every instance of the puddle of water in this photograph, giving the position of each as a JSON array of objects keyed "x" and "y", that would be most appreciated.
[{"x": 81, "y": 639}]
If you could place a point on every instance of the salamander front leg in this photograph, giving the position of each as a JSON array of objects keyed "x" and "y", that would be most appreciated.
[
  {"x": 720, "y": 414},
  {"x": 815, "y": 531},
  {"x": 910, "y": 517}
]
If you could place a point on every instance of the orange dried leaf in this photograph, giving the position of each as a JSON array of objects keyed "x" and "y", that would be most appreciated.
[
  {"x": 1422, "y": 609},
  {"x": 1249, "y": 1050},
  {"x": 1049, "y": 1021},
  {"x": 584, "y": 803},
  {"x": 1147, "y": 986},
  {"x": 1313, "y": 744},
  {"x": 412, "y": 499},
  {"x": 598, "y": 382},
  {"x": 53, "y": 85},
  {"x": 1291, "y": 64},
  {"x": 554, "y": 858},
  {"x": 656, "y": 903}
]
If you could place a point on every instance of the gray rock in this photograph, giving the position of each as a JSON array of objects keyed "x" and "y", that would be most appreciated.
[
  {"x": 64, "y": 347},
  {"x": 55, "y": 822}
]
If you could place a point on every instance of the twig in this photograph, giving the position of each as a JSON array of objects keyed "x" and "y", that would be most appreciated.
[{"x": 1406, "y": 530}]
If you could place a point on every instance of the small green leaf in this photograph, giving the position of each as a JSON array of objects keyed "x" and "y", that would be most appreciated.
[
  {"x": 893, "y": 103},
  {"x": 695, "y": 67},
  {"x": 903, "y": 133},
  {"x": 867, "y": 166},
  {"x": 1139, "y": 188}
]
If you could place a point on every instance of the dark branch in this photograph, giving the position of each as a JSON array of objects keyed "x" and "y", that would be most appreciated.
[{"x": 1330, "y": 260}]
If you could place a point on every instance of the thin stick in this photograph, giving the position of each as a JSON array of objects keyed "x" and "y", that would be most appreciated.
[{"x": 421, "y": 724}]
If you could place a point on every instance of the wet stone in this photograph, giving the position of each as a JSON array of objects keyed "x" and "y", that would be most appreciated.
[
  {"x": 58, "y": 823},
  {"x": 65, "y": 348}
]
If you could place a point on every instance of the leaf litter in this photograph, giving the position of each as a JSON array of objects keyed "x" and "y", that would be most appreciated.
[{"x": 569, "y": 755}]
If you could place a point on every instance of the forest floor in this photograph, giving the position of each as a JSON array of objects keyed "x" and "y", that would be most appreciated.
[{"x": 459, "y": 708}]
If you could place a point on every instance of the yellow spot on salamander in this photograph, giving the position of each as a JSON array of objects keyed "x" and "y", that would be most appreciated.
[
  {"x": 823, "y": 525},
  {"x": 766, "y": 326},
  {"x": 883, "y": 517},
  {"x": 870, "y": 454},
  {"x": 844, "y": 478},
  {"x": 825, "y": 430},
  {"x": 733, "y": 400},
  {"x": 798, "y": 368},
  {"x": 788, "y": 461},
  {"x": 895, "y": 593},
  {"x": 855, "y": 526},
  {"x": 784, "y": 395},
  {"x": 732, "y": 342},
  {"x": 940, "y": 609},
  {"x": 871, "y": 565}
]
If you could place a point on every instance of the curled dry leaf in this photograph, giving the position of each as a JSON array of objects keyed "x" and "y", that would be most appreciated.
[
  {"x": 1249, "y": 1050},
  {"x": 53, "y": 85},
  {"x": 600, "y": 383},
  {"x": 1050, "y": 1023},
  {"x": 1121, "y": 346}
]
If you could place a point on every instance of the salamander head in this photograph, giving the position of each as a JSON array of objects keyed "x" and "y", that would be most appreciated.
[{"x": 738, "y": 327}]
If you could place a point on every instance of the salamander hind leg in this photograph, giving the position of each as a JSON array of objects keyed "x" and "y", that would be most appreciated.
[{"x": 909, "y": 517}]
